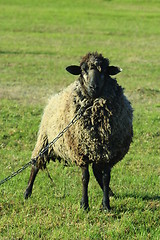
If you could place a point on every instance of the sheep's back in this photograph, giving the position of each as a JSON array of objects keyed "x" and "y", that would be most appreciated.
[{"x": 57, "y": 115}]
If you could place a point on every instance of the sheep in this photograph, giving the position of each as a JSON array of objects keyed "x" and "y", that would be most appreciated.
[{"x": 103, "y": 134}]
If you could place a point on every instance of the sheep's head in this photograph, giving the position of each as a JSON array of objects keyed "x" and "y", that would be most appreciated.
[{"x": 93, "y": 71}]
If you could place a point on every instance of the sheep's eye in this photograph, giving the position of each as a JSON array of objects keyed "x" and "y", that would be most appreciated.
[
  {"x": 85, "y": 69},
  {"x": 99, "y": 68},
  {"x": 92, "y": 66}
]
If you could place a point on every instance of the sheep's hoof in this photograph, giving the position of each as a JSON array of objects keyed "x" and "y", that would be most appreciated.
[
  {"x": 84, "y": 206},
  {"x": 106, "y": 208},
  {"x": 27, "y": 194}
]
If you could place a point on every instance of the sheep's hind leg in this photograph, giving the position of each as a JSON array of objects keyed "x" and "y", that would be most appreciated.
[
  {"x": 106, "y": 181},
  {"x": 33, "y": 174},
  {"x": 97, "y": 170},
  {"x": 85, "y": 180}
]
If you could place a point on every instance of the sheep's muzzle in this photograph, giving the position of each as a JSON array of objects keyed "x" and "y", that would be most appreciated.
[{"x": 95, "y": 83}]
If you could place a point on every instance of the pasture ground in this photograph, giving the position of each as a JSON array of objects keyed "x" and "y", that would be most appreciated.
[{"x": 38, "y": 39}]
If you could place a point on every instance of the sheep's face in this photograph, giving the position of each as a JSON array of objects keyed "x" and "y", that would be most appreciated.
[
  {"x": 93, "y": 71},
  {"x": 93, "y": 78}
]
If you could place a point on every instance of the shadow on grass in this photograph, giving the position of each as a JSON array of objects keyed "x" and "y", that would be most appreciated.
[
  {"x": 140, "y": 196},
  {"x": 26, "y": 52}
]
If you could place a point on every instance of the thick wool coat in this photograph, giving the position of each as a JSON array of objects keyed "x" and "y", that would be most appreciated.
[{"x": 102, "y": 134}]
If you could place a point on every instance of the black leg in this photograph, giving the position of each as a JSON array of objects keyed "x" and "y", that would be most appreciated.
[
  {"x": 85, "y": 181},
  {"x": 33, "y": 174},
  {"x": 97, "y": 170},
  {"x": 106, "y": 181}
]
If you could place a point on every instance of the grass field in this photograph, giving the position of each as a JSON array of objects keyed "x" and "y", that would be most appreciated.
[{"x": 38, "y": 39}]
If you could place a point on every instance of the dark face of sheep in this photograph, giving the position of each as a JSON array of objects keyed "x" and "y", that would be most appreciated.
[
  {"x": 93, "y": 79},
  {"x": 93, "y": 71}
]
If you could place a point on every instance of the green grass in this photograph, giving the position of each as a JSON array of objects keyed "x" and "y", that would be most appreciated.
[{"x": 38, "y": 39}]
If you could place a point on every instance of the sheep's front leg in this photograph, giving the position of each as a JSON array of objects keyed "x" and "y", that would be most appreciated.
[
  {"x": 33, "y": 174},
  {"x": 106, "y": 180},
  {"x": 85, "y": 180},
  {"x": 97, "y": 170}
]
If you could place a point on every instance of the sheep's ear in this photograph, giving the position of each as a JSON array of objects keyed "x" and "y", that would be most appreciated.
[
  {"x": 112, "y": 70},
  {"x": 73, "y": 69}
]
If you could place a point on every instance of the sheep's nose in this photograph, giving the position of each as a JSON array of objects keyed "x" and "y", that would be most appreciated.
[{"x": 93, "y": 76}]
